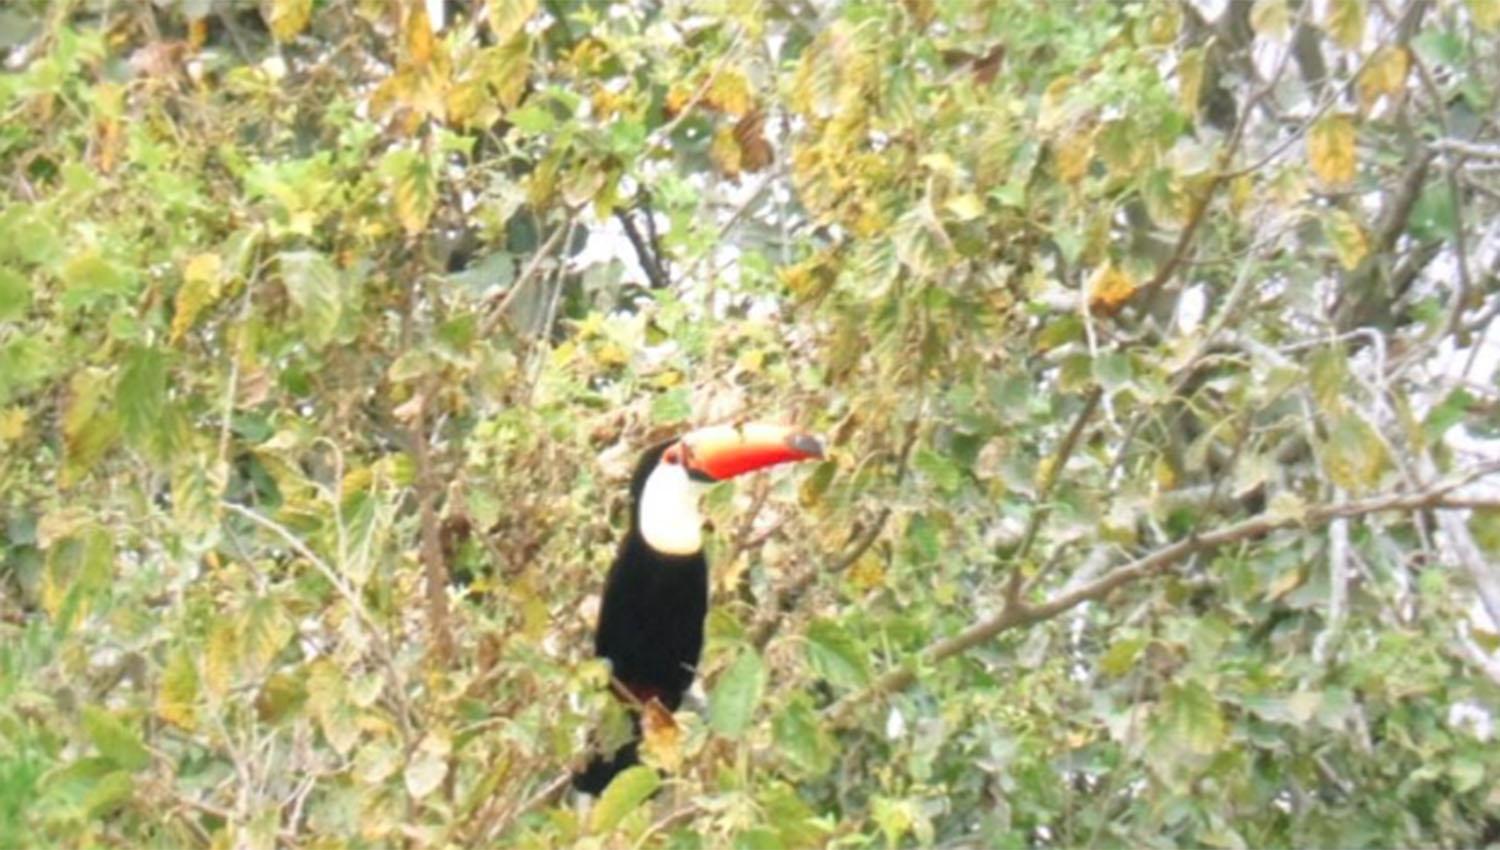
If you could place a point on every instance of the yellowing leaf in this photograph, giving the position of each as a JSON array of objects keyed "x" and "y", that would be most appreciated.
[
  {"x": 428, "y": 765},
  {"x": 1345, "y": 23},
  {"x": 1053, "y": 113},
  {"x": 661, "y": 737},
  {"x": 79, "y": 568},
  {"x": 1110, "y": 288},
  {"x": 328, "y": 698},
  {"x": 725, "y": 151},
  {"x": 1347, "y": 237},
  {"x": 286, "y": 18},
  {"x": 415, "y": 191},
  {"x": 176, "y": 700},
  {"x": 1074, "y": 153},
  {"x": 1190, "y": 717},
  {"x": 1190, "y": 79},
  {"x": 1484, "y": 13},
  {"x": 201, "y": 277},
  {"x": 729, "y": 93},
  {"x": 419, "y": 37},
  {"x": 220, "y": 658},
  {"x": 264, "y": 630},
  {"x": 1384, "y": 74},
  {"x": 1330, "y": 150},
  {"x": 1353, "y": 456},
  {"x": 1270, "y": 18},
  {"x": 867, "y": 573},
  {"x": 965, "y": 207},
  {"x": 89, "y": 425},
  {"x": 509, "y": 17},
  {"x": 12, "y": 424}
]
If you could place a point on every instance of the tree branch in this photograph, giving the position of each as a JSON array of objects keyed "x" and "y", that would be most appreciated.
[
  {"x": 650, "y": 263},
  {"x": 1015, "y": 586},
  {"x": 1019, "y": 614},
  {"x": 533, "y": 270}
]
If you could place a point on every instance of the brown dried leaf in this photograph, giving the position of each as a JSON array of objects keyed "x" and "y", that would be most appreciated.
[
  {"x": 661, "y": 737},
  {"x": 1109, "y": 289}
]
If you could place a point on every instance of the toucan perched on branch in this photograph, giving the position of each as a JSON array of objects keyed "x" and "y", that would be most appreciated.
[{"x": 656, "y": 596}]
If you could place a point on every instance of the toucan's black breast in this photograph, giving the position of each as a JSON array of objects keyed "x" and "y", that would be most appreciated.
[{"x": 651, "y": 619}]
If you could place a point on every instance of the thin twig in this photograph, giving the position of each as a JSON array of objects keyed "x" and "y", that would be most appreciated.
[
  {"x": 549, "y": 793},
  {"x": 496, "y": 314},
  {"x": 1017, "y": 583}
]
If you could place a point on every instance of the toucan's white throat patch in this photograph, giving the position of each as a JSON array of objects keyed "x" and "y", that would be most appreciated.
[{"x": 670, "y": 521}]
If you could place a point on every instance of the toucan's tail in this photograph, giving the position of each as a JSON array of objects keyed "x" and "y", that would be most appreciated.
[{"x": 601, "y": 768}]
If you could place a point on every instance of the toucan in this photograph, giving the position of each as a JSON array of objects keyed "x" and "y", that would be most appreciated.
[{"x": 655, "y": 599}]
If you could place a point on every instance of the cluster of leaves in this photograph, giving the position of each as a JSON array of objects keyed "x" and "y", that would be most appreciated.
[{"x": 1147, "y": 340}]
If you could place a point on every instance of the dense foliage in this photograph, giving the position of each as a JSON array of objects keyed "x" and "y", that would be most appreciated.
[{"x": 1155, "y": 342}]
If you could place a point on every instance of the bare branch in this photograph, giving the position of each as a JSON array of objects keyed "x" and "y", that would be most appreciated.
[
  {"x": 533, "y": 270},
  {"x": 650, "y": 261},
  {"x": 1469, "y": 150}
]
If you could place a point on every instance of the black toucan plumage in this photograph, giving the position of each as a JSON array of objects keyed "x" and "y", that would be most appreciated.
[{"x": 656, "y": 595}]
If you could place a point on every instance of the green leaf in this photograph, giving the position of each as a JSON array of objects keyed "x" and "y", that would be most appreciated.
[
  {"x": 1467, "y": 772},
  {"x": 1065, "y": 329},
  {"x": 672, "y": 406},
  {"x": 532, "y": 119},
  {"x": 108, "y": 793},
  {"x": 922, "y": 534},
  {"x": 939, "y": 468},
  {"x": 628, "y": 790},
  {"x": 88, "y": 278},
  {"x": 1112, "y": 370},
  {"x": 315, "y": 289},
  {"x": 732, "y": 704},
  {"x": 141, "y": 399},
  {"x": 1485, "y": 526},
  {"x": 15, "y": 294},
  {"x": 1434, "y": 216},
  {"x": 800, "y": 736},
  {"x": 1354, "y": 455},
  {"x": 1122, "y": 655},
  {"x": 835, "y": 656},
  {"x": 1445, "y": 415},
  {"x": 115, "y": 741},
  {"x": 1190, "y": 717}
]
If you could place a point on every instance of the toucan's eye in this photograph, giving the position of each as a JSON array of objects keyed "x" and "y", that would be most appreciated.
[{"x": 672, "y": 456}]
